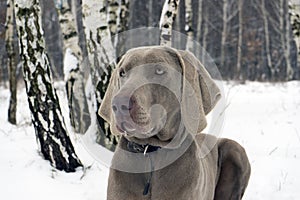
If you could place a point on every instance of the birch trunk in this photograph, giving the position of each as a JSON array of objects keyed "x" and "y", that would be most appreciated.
[
  {"x": 100, "y": 53},
  {"x": 11, "y": 61},
  {"x": 224, "y": 32},
  {"x": 52, "y": 137},
  {"x": 112, "y": 19},
  {"x": 78, "y": 108},
  {"x": 267, "y": 38},
  {"x": 178, "y": 26},
  {"x": 199, "y": 22},
  {"x": 205, "y": 36},
  {"x": 122, "y": 26},
  {"x": 287, "y": 40},
  {"x": 189, "y": 25},
  {"x": 282, "y": 30},
  {"x": 166, "y": 21},
  {"x": 240, "y": 41}
]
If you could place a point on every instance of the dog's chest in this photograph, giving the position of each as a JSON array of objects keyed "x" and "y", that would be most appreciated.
[{"x": 184, "y": 179}]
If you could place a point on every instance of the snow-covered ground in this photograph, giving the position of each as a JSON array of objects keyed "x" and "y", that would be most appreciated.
[{"x": 264, "y": 118}]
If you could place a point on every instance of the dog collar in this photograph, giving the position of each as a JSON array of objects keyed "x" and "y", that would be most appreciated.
[{"x": 139, "y": 148}]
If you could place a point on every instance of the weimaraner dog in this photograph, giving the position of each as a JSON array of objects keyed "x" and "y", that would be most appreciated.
[{"x": 157, "y": 100}]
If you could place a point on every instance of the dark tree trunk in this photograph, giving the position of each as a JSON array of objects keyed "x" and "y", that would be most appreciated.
[{"x": 11, "y": 61}]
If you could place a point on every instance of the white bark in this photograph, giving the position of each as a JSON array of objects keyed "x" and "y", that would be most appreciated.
[
  {"x": 112, "y": 19},
  {"x": 123, "y": 16},
  {"x": 47, "y": 118},
  {"x": 166, "y": 21},
  {"x": 100, "y": 52},
  {"x": 100, "y": 48},
  {"x": 122, "y": 26},
  {"x": 79, "y": 114},
  {"x": 189, "y": 25}
]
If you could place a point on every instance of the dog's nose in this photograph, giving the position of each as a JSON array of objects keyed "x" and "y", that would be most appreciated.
[{"x": 122, "y": 104}]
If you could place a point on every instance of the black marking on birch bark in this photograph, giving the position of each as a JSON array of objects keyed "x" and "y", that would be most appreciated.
[
  {"x": 54, "y": 142},
  {"x": 169, "y": 14},
  {"x": 70, "y": 35}
]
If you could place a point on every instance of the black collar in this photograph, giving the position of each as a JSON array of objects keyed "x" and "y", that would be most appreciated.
[{"x": 139, "y": 148}]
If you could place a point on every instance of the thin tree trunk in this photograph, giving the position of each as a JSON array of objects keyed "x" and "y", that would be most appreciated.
[
  {"x": 52, "y": 137},
  {"x": 11, "y": 61},
  {"x": 189, "y": 25},
  {"x": 166, "y": 21},
  {"x": 122, "y": 26},
  {"x": 112, "y": 19},
  {"x": 240, "y": 41},
  {"x": 199, "y": 26},
  {"x": 178, "y": 27},
  {"x": 287, "y": 51},
  {"x": 267, "y": 38},
  {"x": 79, "y": 113},
  {"x": 205, "y": 36},
  {"x": 100, "y": 53},
  {"x": 283, "y": 37},
  {"x": 224, "y": 32}
]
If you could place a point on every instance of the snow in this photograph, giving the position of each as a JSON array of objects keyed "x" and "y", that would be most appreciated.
[
  {"x": 70, "y": 63},
  {"x": 263, "y": 117}
]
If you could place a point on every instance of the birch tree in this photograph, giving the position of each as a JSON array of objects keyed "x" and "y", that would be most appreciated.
[
  {"x": 78, "y": 108},
  {"x": 52, "y": 137},
  {"x": 166, "y": 21},
  {"x": 267, "y": 37},
  {"x": 240, "y": 40},
  {"x": 122, "y": 26},
  {"x": 11, "y": 61},
  {"x": 199, "y": 20},
  {"x": 189, "y": 24},
  {"x": 205, "y": 35},
  {"x": 285, "y": 37},
  {"x": 100, "y": 54},
  {"x": 224, "y": 31},
  {"x": 229, "y": 12},
  {"x": 112, "y": 19}
]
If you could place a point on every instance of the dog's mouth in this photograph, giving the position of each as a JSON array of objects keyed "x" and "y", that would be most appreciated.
[{"x": 129, "y": 130}]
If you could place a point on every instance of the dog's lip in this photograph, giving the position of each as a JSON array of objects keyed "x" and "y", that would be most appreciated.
[
  {"x": 128, "y": 130},
  {"x": 124, "y": 127}
]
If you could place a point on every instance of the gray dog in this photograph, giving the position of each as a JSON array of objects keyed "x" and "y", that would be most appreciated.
[{"x": 157, "y": 100}]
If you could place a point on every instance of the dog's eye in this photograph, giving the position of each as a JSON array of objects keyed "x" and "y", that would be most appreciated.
[
  {"x": 122, "y": 73},
  {"x": 159, "y": 71}
]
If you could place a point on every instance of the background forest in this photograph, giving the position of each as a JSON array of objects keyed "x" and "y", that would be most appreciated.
[{"x": 248, "y": 40}]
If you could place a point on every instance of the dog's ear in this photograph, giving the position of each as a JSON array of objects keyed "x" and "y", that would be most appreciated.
[
  {"x": 199, "y": 92},
  {"x": 105, "y": 110}
]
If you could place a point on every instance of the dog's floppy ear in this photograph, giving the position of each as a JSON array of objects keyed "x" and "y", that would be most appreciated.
[
  {"x": 199, "y": 92},
  {"x": 105, "y": 110}
]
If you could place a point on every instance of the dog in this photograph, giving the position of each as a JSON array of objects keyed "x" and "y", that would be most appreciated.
[{"x": 157, "y": 100}]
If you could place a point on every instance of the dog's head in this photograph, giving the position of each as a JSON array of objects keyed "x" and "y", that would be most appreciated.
[{"x": 154, "y": 92}]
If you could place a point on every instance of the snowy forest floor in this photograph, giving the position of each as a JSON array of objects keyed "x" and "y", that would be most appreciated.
[{"x": 263, "y": 117}]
